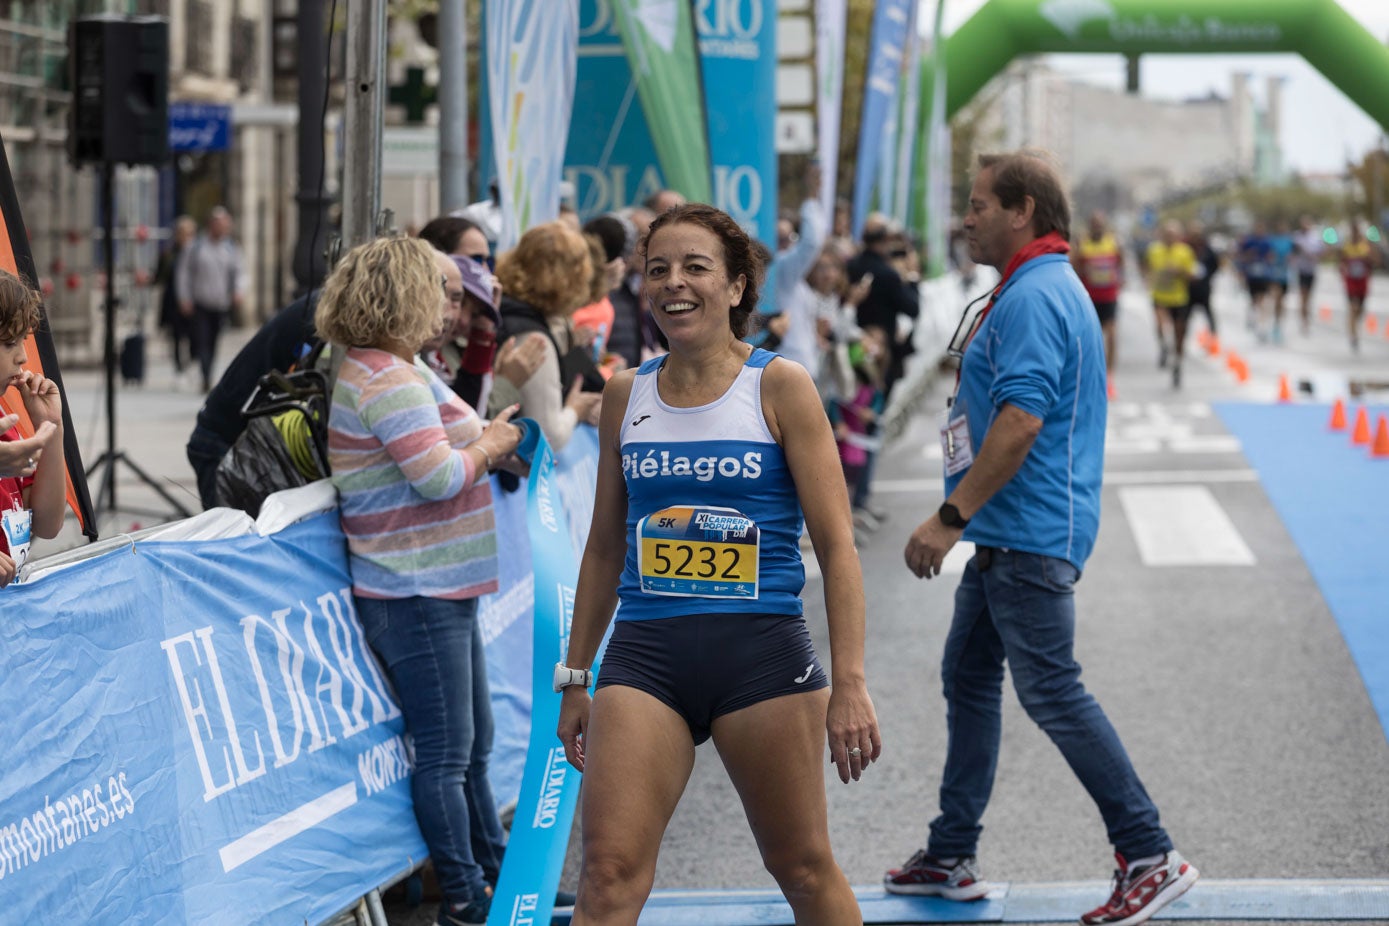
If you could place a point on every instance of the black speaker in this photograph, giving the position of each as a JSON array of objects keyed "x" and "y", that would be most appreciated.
[{"x": 118, "y": 69}]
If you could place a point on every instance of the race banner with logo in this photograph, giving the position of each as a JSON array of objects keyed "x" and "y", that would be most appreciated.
[
  {"x": 610, "y": 157},
  {"x": 195, "y": 732},
  {"x": 532, "y": 52},
  {"x": 901, "y": 117},
  {"x": 879, "y": 102},
  {"x": 901, "y": 186},
  {"x": 829, "y": 81},
  {"x": 934, "y": 153},
  {"x": 737, "y": 41},
  {"x": 660, "y": 40},
  {"x": 539, "y": 835}
]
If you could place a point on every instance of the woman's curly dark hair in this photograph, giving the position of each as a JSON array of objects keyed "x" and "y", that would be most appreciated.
[{"x": 740, "y": 254}]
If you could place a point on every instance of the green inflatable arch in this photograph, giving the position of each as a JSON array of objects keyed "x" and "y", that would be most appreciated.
[{"x": 1328, "y": 37}]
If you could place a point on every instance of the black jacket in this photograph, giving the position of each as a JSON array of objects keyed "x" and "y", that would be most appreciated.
[{"x": 521, "y": 318}]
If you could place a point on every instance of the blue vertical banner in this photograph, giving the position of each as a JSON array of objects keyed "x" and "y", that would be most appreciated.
[
  {"x": 901, "y": 199},
  {"x": 610, "y": 158},
  {"x": 737, "y": 43},
  {"x": 890, "y": 21},
  {"x": 539, "y": 836},
  {"x": 532, "y": 52}
]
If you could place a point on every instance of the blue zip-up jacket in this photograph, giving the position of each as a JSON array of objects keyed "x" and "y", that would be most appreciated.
[{"x": 1040, "y": 349}]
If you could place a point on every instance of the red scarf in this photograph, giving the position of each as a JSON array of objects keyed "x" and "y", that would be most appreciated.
[{"x": 1050, "y": 243}]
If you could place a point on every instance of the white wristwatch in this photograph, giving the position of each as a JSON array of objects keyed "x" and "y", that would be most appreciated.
[{"x": 566, "y": 677}]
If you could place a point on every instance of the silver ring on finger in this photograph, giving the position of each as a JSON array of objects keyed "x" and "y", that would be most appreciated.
[{"x": 856, "y": 751}]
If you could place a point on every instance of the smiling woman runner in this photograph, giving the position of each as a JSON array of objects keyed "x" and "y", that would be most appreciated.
[{"x": 708, "y": 457}]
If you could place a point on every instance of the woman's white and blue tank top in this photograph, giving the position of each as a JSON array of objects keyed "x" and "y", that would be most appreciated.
[{"x": 713, "y": 519}]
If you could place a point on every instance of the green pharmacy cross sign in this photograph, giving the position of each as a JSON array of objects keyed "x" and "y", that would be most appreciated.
[{"x": 414, "y": 94}]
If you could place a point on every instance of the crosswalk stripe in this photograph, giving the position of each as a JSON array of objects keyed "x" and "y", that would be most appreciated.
[
  {"x": 1111, "y": 478},
  {"x": 1182, "y": 526}
]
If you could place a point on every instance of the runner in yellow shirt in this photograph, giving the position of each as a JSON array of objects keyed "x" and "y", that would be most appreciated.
[{"x": 1171, "y": 266}]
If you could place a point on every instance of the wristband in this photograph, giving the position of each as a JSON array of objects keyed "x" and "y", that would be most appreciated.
[
  {"x": 486, "y": 456},
  {"x": 565, "y": 677}
]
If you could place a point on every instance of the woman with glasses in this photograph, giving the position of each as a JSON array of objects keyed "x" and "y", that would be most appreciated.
[{"x": 410, "y": 463}]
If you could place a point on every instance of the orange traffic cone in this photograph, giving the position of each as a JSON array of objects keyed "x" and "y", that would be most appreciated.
[
  {"x": 1213, "y": 346},
  {"x": 1371, "y": 324},
  {"x": 1231, "y": 361},
  {"x": 1338, "y": 416},
  {"x": 1361, "y": 435},
  {"x": 1380, "y": 448},
  {"x": 1285, "y": 389},
  {"x": 1242, "y": 371}
]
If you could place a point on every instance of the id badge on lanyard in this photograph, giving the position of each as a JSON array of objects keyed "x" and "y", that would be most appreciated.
[
  {"x": 955, "y": 446},
  {"x": 17, "y": 524}
]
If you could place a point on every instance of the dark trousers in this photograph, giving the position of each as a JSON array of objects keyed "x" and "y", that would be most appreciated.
[
  {"x": 207, "y": 328},
  {"x": 205, "y": 450},
  {"x": 181, "y": 337}
]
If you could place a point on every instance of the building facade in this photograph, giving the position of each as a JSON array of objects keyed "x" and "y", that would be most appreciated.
[{"x": 220, "y": 59}]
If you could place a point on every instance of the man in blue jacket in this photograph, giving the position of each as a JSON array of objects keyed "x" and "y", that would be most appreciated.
[{"x": 1023, "y": 439}]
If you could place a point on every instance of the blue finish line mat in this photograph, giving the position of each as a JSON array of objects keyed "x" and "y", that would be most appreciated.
[
  {"x": 1333, "y": 497},
  {"x": 1060, "y": 902}
]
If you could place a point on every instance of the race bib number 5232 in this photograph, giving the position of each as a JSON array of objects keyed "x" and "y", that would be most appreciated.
[{"x": 689, "y": 551}]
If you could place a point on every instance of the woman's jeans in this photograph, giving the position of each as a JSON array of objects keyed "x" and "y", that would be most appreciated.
[
  {"x": 1020, "y": 608},
  {"x": 432, "y": 651}
]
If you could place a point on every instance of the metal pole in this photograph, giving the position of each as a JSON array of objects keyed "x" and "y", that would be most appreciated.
[
  {"x": 453, "y": 105},
  {"x": 366, "y": 79},
  {"x": 309, "y": 264},
  {"x": 108, "y": 227}
]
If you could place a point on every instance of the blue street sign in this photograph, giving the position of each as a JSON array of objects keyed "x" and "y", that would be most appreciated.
[{"x": 199, "y": 127}]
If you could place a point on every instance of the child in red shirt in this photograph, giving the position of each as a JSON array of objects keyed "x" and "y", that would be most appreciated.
[{"x": 32, "y": 481}]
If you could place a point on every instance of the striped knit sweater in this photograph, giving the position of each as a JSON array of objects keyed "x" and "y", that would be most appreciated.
[{"x": 416, "y": 524}]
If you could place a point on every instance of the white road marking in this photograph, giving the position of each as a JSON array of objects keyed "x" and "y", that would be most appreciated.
[
  {"x": 240, "y": 851},
  {"x": 1111, "y": 478},
  {"x": 1182, "y": 526}
]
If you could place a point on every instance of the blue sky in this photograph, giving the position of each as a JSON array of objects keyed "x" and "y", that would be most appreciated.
[{"x": 1321, "y": 127}]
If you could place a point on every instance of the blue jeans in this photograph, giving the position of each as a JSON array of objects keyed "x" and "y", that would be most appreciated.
[
  {"x": 1022, "y": 610},
  {"x": 432, "y": 651}
]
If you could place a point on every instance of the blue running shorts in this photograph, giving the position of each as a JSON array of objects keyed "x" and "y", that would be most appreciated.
[{"x": 703, "y": 666}]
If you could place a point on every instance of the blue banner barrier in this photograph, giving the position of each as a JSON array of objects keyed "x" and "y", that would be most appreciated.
[
  {"x": 194, "y": 732},
  {"x": 525, "y": 892},
  {"x": 507, "y": 628}
]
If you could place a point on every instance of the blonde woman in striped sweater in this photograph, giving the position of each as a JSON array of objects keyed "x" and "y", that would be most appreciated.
[{"x": 410, "y": 463}]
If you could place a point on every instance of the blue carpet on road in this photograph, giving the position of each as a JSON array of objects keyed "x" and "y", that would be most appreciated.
[
  {"x": 1334, "y": 500},
  {"x": 1060, "y": 902}
]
